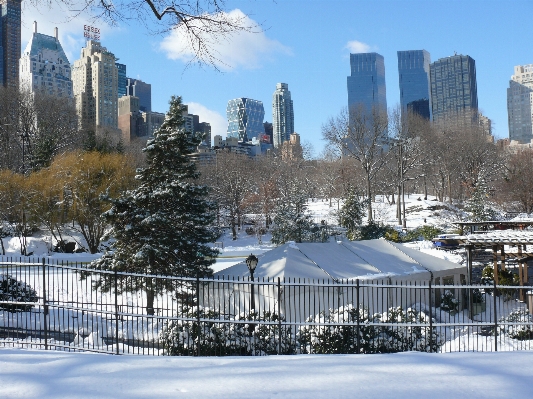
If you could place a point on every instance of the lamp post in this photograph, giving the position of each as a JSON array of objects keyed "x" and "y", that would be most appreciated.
[{"x": 251, "y": 262}]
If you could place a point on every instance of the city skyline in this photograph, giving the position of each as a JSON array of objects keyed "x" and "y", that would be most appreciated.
[{"x": 314, "y": 62}]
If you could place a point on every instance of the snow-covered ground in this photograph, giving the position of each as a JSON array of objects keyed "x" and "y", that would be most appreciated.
[{"x": 43, "y": 375}]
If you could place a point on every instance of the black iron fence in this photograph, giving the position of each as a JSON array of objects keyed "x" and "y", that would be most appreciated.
[{"x": 73, "y": 308}]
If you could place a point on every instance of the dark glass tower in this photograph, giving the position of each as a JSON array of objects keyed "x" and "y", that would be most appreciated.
[
  {"x": 10, "y": 42},
  {"x": 137, "y": 88},
  {"x": 245, "y": 118},
  {"x": 413, "y": 72},
  {"x": 454, "y": 90},
  {"x": 121, "y": 79},
  {"x": 366, "y": 84}
]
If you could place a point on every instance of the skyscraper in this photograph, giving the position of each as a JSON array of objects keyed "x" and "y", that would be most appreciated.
[
  {"x": 137, "y": 88},
  {"x": 245, "y": 118},
  {"x": 366, "y": 84},
  {"x": 122, "y": 80},
  {"x": 454, "y": 90},
  {"x": 95, "y": 87},
  {"x": 10, "y": 41},
  {"x": 44, "y": 65},
  {"x": 282, "y": 114},
  {"x": 519, "y": 104},
  {"x": 413, "y": 73}
]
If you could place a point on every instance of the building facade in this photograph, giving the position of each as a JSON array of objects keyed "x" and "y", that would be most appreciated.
[
  {"x": 282, "y": 114},
  {"x": 366, "y": 83},
  {"x": 291, "y": 150},
  {"x": 245, "y": 118},
  {"x": 10, "y": 16},
  {"x": 454, "y": 90},
  {"x": 413, "y": 75},
  {"x": 95, "y": 87},
  {"x": 141, "y": 90},
  {"x": 122, "y": 80},
  {"x": 519, "y": 104},
  {"x": 44, "y": 66}
]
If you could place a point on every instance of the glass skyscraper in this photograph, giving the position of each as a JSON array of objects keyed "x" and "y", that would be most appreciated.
[
  {"x": 282, "y": 114},
  {"x": 142, "y": 90},
  {"x": 413, "y": 73},
  {"x": 366, "y": 84},
  {"x": 519, "y": 104},
  {"x": 10, "y": 14},
  {"x": 245, "y": 118},
  {"x": 454, "y": 90},
  {"x": 122, "y": 80}
]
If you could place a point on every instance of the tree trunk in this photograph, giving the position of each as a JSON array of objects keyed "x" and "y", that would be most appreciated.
[
  {"x": 404, "y": 224},
  {"x": 233, "y": 229},
  {"x": 399, "y": 206},
  {"x": 150, "y": 296},
  {"x": 3, "y": 248},
  {"x": 369, "y": 196}
]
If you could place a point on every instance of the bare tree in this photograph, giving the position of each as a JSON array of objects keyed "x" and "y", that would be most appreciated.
[
  {"x": 202, "y": 23},
  {"x": 362, "y": 135}
]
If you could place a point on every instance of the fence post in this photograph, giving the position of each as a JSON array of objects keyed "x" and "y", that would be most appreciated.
[
  {"x": 198, "y": 314},
  {"x": 279, "y": 316},
  {"x": 430, "y": 319},
  {"x": 358, "y": 314},
  {"x": 495, "y": 319},
  {"x": 116, "y": 310},
  {"x": 45, "y": 308}
]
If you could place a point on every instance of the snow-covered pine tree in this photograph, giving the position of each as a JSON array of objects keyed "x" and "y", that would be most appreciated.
[
  {"x": 478, "y": 204},
  {"x": 163, "y": 226},
  {"x": 351, "y": 214},
  {"x": 291, "y": 223}
]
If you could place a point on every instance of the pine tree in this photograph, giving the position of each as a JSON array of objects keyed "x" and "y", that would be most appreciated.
[
  {"x": 478, "y": 205},
  {"x": 351, "y": 214},
  {"x": 163, "y": 226},
  {"x": 291, "y": 222}
]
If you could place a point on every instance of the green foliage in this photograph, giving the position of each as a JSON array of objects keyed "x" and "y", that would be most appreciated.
[
  {"x": 101, "y": 143},
  {"x": 519, "y": 332},
  {"x": 426, "y": 232},
  {"x": 478, "y": 204},
  {"x": 329, "y": 336},
  {"x": 214, "y": 338},
  {"x": 291, "y": 222},
  {"x": 14, "y": 291},
  {"x": 351, "y": 214},
  {"x": 448, "y": 302},
  {"x": 374, "y": 230},
  {"x": 478, "y": 296},
  {"x": 165, "y": 225}
]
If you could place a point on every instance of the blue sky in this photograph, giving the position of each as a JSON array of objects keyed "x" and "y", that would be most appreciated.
[{"x": 306, "y": 43}]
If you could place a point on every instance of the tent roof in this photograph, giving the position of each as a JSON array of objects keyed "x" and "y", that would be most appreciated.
[{"x": 344, "y": 260}]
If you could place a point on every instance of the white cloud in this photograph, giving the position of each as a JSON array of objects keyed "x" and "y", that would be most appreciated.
[
  {"x": 68, "y": 21},
  {"x": 357, "y": 47},
  {"x": 219, "y": 124},
  {"x": 242, "y": 49}
]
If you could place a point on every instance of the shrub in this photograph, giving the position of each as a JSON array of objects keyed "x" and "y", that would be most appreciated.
[
  {"x": 12, "y": 290},
  {"x": 426, "y": 232},
  {"x": 217, "y": 338},
  {"x": 519, "y": 332},
  {"x": 332, "y": 337},
  {"x": 374, "y": 230},
  {"x": 448, "y": 302}
]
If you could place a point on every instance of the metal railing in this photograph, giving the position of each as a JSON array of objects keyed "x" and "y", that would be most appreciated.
[{"x": 70, "y": 307}]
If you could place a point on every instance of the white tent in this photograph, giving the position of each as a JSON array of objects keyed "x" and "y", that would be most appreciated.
[{"x": 341, "y": 266}]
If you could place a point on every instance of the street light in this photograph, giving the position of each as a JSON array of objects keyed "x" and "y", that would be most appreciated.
[{"x": 251, "y": 262}]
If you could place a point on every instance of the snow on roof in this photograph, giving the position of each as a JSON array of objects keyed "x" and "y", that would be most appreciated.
[{"x": 345, "y": 260}]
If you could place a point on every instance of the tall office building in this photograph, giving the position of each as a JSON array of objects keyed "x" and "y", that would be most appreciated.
[
  {"x": 137, "y": 88},
  {"x": 454, "y": 90},
  {"x": 95, "y": 87},
  {"x": 413, "y": 73},
  {"x": 44, "y": 66},
  {"x": 366, "y": 84},
  {"x": 122, "y": 80},
  {"x": 519, "y": 104},
  {"x": 10, "y": 14},
  {"x": 245, "y": 118},
  {"x": 282, "y": 114}
]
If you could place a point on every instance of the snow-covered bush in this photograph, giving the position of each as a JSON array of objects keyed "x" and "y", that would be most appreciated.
[
  {"x": 222, "y": 337},
  {"x": 12, "y": 290},
  {"x": 370, "y": 337},
  {"x": 519, "y": 332},
  {"x": 448, "y": 302}
]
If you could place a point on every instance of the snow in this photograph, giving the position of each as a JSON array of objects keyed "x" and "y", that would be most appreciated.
[{"x": 39, "y": 374}]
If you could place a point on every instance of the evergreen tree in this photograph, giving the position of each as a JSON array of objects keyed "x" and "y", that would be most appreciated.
[
  {"x": 351, "y": 214},
  {"x": 291, "y": 222},
  {"x": 478, "y": 204},
  {"x": 163, "y": 226}
]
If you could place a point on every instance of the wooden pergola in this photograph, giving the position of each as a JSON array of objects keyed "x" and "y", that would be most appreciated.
[{"x": 494, "y": 225}]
